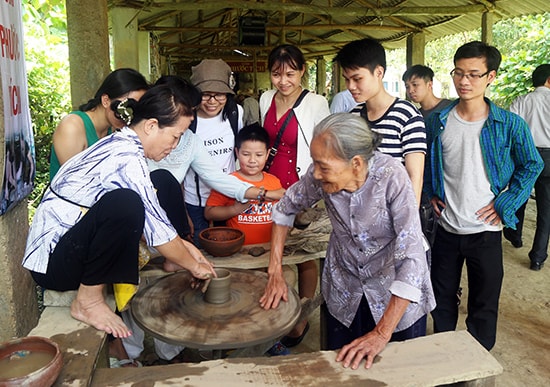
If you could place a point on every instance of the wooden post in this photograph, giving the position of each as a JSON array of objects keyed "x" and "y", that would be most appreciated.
[
  {"x": 487, "y": 27},
  {"x": 415, "y": 49},
  {"x": 88, "y": 37}
]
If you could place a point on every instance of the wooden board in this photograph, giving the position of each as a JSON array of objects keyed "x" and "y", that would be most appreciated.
[
  {"x": 443, "y": 358},
  {"x": 82, "y": 346},
  {"x": 173, "y": 312}
]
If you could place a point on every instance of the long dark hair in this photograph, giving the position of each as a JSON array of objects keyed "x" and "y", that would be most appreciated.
[{"x": 116, "y": 84}]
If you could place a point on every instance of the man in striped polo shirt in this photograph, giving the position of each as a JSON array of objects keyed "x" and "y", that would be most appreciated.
[{"x": 401, "y": 125}]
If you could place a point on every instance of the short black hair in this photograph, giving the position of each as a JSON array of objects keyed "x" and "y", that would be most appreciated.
[
  {"x": 541, "y": 74},
  {"x": 192, "y": 94},
  {"x": 164, "y": 102},
  {"x": 367, "y": 53},
  {"x": 419, "y": 71},
  {"x": 252, "y": 132},
  {"x": 286, "y": 54},
  {"x": 477, "y": 49}
]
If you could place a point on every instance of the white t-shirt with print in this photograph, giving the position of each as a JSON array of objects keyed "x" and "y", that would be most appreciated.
[{"x": 218, "y": 138}]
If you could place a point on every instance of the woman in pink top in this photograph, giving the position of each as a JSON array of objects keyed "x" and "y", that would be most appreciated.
[{"x": 287, "y": 66}]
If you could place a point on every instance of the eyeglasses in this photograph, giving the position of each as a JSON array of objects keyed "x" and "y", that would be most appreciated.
[
  {"x": 469, "y": 76},
  {"x": 218, "y": 97}
]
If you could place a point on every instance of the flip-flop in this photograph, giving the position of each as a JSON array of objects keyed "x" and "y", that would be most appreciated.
[
  {"x": 115, "y": 363},
  {"x": 290, "y": 342}
]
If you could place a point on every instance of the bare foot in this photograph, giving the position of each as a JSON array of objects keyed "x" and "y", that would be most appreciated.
[{"x": 99, "y": 315}]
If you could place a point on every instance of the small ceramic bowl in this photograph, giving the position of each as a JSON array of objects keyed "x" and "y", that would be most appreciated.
[
  {"x": 221, "y": 241},
  {"x": 29, "y": 361}
]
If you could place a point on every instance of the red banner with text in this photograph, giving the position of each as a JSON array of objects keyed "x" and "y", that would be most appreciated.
[{"x": 19, "y": 155}]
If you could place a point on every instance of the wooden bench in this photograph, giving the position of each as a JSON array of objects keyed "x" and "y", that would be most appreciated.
[
  {"x": 444, "y": 358},
  {"x": 84, "y": 348}
]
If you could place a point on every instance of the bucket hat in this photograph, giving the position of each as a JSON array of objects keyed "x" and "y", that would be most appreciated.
[{"x": 213, "y": 75}]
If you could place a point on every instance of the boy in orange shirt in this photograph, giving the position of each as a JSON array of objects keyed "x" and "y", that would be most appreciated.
[{"x": 253, "y": 217}]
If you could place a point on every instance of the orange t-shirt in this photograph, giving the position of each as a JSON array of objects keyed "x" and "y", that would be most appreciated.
[{"x": 256, "y": 221}]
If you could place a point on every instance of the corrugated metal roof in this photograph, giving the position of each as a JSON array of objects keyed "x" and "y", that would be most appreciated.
[{"x": 188, "y": 31}]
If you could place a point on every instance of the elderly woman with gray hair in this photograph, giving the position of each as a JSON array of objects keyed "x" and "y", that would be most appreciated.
[{"x": 375, "y": 281}]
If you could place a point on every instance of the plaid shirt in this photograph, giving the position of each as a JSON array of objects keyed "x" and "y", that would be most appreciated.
[{"x": 512, "y": 162}]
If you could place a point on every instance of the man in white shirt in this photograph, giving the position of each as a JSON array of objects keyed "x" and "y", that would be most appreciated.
[
  {"x": 534, "y": 107},
  {"x": 342, "y": 102}
]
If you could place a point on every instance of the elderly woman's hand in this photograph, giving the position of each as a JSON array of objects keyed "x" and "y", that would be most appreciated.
[
  {"x": 367, "y": 346},
  {"x": 371, "y": 344},
  {"x": 275, "y": 290}
]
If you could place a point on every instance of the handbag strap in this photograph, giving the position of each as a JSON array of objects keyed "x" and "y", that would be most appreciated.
[
  {"x": 273, "y": 150},
  {"x": 65, "y": 199}
]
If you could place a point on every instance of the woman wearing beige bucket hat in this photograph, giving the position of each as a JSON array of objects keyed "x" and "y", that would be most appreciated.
[{"x": 216, "y": 113}]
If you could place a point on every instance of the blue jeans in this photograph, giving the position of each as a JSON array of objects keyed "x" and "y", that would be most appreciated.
[{"x": 483, "y": 255}]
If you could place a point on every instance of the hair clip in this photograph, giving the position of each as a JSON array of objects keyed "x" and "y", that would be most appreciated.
[{"x": 124, "y": 112}]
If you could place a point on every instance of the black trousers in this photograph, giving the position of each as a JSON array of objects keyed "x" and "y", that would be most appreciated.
[
  {"x": 170, "y": 196},
  {"x": 539, "y": 249},
  {"x": 339, "y": 335},
  {"x": 101, "y": 248},
  {"x": 482, "y": 253}
]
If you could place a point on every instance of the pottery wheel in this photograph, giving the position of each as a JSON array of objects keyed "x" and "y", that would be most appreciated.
[{"x": 173, "y": 312}]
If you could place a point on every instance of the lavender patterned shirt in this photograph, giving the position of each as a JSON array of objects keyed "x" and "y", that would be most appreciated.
[
  {"x": 375, "y": 247},
  {"x": 116, "y": 161}
]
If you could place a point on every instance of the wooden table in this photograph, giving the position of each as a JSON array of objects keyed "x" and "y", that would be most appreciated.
[
  {"x": 240, "y": 260},
  {"x": 243, "y": 260}
]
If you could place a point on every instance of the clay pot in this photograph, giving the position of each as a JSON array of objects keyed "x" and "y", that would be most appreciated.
[
  {"x": 219, "y": 289},
  {"x": 221, "y": 241},
  {"x": 29, "y": 361}
]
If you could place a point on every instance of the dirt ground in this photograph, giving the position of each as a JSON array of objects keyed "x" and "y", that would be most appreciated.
[{"x": 523, "y": 336}]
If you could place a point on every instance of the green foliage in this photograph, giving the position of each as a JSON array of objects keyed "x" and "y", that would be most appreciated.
[
  {"x": 46, "y": 58},
  {"x": 524, "y": 45}
]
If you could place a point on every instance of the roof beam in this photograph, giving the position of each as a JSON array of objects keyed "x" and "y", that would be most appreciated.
[
  {"x": 274, "y": 6},
  {"x": 315, "y": 27}
]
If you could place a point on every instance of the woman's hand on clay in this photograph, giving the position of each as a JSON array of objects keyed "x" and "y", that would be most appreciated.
[
  {"x": 197, "y": 255},
  {"x": 202, "y": 276}
]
